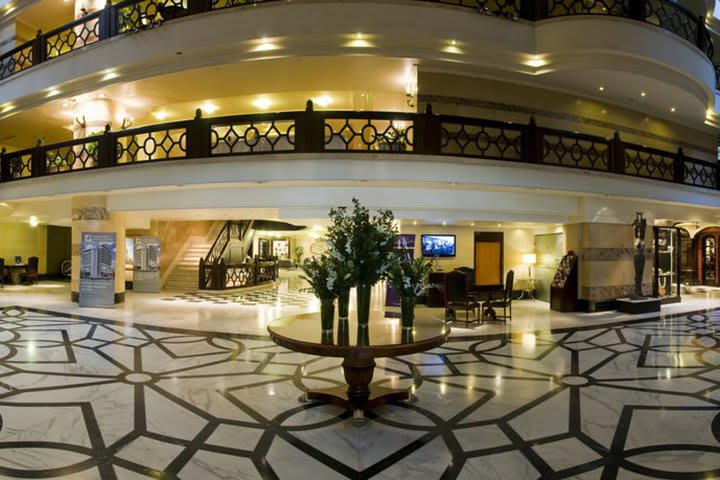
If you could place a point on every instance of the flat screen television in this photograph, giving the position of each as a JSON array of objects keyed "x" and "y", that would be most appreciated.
[{"x": 437, "y": 245}]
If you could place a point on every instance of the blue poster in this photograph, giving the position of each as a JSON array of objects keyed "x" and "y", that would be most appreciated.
[{"x": 97, "y": 269}]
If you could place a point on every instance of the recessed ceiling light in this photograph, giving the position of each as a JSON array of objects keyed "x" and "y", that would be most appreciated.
[
  {"x": 672, "y": 109},
  {"x": 642, "y": 94},
  {"x": 209, "y": 108},
  {"x": 453, "y": 42},
  {"x": 65, "y": 104},
  {"x": 499, "y": 224},
  {"x": 34, "y": 222},
  {"x": 102, "y": 95},
  {"x": 414, "y": 222},
  {"x": 323, "y": 100},
  {"x": 359, "y": 36},
  {"x": 444, "y": 223},
  {"x": 52, "y": 92},
  {"x": 602, "y": 88},
  {"x": 160, "y": 114},
  {"x": 262, "y": 103}
]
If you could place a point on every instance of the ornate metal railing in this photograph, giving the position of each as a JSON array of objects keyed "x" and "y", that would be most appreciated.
[
  {"x": 134, "y": 15},
  {"x": 248, "y": 274},
  {"x": 213, "y": 273},
  {"x": 309, "y": 131}
]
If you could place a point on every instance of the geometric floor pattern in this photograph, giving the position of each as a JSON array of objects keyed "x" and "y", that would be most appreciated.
[{"x": 90, "y": 398}]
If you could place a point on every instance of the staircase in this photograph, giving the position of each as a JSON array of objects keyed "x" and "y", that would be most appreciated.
[{"x": 183, "y": 274}]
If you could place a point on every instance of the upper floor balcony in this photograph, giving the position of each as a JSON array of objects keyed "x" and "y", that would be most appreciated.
[
  {"x": 311, "y": 135},
  {"x": 549, "y": 40}
]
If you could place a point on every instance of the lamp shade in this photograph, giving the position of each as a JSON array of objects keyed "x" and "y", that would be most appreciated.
[{"x": 529, "y": 258}]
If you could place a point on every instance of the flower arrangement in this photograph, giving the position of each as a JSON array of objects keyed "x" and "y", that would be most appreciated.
[
  {"x": 410, "y": 277},
  {"x": 320, "y": 274},
  {"x": 362, "y": 244}
]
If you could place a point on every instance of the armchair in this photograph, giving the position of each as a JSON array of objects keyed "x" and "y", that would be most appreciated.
[
  {"x": 31, "y": 274},
  {"x": 500, "y": 299},
  {"x": 458, "y": 297},
  {"x": 2, "y": 273}
]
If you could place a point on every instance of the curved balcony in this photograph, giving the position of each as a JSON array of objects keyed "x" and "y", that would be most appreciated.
[
  {"x": 309, "y": 131},
  {"x": 135, "y": 15}
]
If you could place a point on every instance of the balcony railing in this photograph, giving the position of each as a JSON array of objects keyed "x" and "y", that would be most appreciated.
[
  {"x": 134, "y": 15},
  {"x": 341, "y": 132}
]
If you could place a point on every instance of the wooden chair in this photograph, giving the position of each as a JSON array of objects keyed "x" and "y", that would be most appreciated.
[
  {"x": 458, "y": 297},
  {"x": 500, "y": 299},
  {"x": 2, "y": 273},
  {"x": 31, "y": 274}
]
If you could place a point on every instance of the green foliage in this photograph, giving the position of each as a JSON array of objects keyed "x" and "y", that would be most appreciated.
[
  {"x": 410, "y": 277},
  {"x": 361, "y": 246},
  {"x": 320, "y": 274}
]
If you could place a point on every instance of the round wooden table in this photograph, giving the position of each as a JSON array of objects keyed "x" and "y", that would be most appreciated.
[{"x": 358, "y": 347}]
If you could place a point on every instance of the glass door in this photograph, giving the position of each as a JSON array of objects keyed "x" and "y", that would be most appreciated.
[
  {"x": 709, "y": 260},
  {"x": 667, "y": 264}
]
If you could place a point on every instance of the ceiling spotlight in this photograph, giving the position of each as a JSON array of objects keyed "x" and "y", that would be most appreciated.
[
  {"x": 602, "y": 88},
  {"x": 160, "y": 114},
  {"x": 262, "y": 103},
  {"x": 672, "y": 109},
  {"x": 34, "y": 222},
  {"x": 209, "y": 108},
  {"x": 444, "y": 223},
  {"x": 642, "y": 94},
  {"x": 323, "y": 101}
]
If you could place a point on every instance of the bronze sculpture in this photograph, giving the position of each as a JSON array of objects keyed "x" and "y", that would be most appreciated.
[{"x": 639, "y": 225}]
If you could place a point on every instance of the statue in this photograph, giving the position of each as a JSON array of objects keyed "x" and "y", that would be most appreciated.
[{"x": 639, "y": 225}]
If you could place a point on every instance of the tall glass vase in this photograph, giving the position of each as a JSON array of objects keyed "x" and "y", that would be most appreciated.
[
  {"x": 343, "y": 305},
  {"x": 327, "y": 314},
  {"x": 407, "y": 311},
  {"x": 363, "y": 303}
]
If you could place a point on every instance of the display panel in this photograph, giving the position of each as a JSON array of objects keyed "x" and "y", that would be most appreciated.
[{"x": 438, "y": 245}]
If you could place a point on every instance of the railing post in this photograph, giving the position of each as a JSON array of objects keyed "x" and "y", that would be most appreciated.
[
  {"x": 309, "y": 131},
  {"x": 198, "y": 137},
  {"x": 701, "y": 34},
  {"x": 637, "y": 9},
  {"x": 532, "y": 143},
  {"x": 4, "y": 166},
  {"x": 679, "y": 167},
  {"x": 37, "y": 169},
  {"x": 427, "y": 132},
  {"x": 201, "y": 274},
  {"x": 533, "y": 9},
  {"x": 38, "y": 48},
  {"x": 255, "y": 270},
  {"x": 198, "y": 6},
  {"x": 616, "y": 155},
  {"x": 218, "y": 280},
  {"x": 112, "y": 19},
  {"x": 105, "y": 149},
  {"x": 104, "y": 21}
]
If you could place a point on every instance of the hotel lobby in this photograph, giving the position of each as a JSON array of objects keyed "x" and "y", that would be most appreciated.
[{"x": 534, "y": 292}]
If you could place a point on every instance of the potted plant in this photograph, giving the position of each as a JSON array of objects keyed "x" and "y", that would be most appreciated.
[
  {"x": 362, "y": 247},
  {"x": 410, "y": 278},
  {"x": 320, "y": 274}
]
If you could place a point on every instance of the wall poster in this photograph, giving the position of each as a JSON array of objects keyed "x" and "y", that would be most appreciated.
[
  {"x": 97, "y": 269},
  {"x": 146, "y": 270}
]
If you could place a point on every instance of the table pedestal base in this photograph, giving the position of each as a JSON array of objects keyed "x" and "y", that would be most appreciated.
[{"x": 359, "y": 395}]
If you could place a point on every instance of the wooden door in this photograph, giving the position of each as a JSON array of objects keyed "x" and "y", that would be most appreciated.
[{"x": 488, "y": 259}]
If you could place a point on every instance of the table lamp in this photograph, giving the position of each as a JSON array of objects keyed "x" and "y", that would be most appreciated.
[{"x": 530, "y": 259}]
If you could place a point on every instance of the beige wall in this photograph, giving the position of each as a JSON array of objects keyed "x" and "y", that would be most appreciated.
[
  {"x": 499, "y": 97},
  {"x": 173, "y": 236},
  {"x": 517, "y": 241},
  {"x": 23, "y": 240}
]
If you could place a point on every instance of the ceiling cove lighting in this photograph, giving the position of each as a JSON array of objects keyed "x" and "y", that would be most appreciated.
[
  {"x": 358, "y": 40},
  {"x": 264, "y": 45}
]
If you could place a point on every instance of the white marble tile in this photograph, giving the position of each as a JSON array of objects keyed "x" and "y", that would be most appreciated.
[
  {"x": 430, "y": 461},
  {"x": 236, "y": 436},
  {"x": 658, "y": 427},
  {"x": 62, "y": 424},
  {"x": 501, "y": 466},
  {"x": 548, "y": 418},
  {"x": 480, "y": 438},
  {"x": 34, "y": 459},
  {"x": 289, "y": 462},
  {"x": 212, "y": 465},
  {"x": 565, "y": 453},
  {"x": 149, "y": 452},
  {"x": 167, "y": 417}
]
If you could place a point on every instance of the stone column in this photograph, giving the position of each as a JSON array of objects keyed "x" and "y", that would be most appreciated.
[
  {"x": 90, "y": 214},
  {"x": 606, "y": 271},
  {"x": 92, "y": 115}
]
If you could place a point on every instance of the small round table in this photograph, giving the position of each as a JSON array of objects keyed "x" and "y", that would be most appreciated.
[{"x": 358, "y": 346}]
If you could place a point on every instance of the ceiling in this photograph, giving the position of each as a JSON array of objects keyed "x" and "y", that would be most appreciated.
[{"x": 351, "y": 83}]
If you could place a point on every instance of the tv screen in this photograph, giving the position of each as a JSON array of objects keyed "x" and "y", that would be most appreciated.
[{"x": 438, "y": 245}]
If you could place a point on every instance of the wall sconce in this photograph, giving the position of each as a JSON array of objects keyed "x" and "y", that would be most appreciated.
[{"x": 411, "y": 88}]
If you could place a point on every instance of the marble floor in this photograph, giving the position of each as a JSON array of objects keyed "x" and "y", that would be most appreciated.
[{"x": 92, "y": 393}]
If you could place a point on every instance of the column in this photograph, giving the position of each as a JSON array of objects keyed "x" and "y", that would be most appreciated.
[{"x": 90, "y": 214}]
